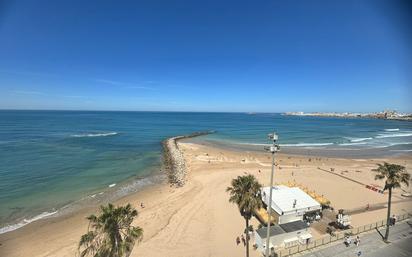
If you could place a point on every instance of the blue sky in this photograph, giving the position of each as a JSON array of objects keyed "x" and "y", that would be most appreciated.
[{"x": 263, "y": 56}]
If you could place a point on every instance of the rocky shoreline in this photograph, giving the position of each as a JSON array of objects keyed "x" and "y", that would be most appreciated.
[{"x": 174, "y": 162}]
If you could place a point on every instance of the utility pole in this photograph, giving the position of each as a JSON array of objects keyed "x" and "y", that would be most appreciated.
[{"x": 273, "y": 149}]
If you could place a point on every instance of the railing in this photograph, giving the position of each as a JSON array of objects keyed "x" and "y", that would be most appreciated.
[{"x": 337, "y": 236}]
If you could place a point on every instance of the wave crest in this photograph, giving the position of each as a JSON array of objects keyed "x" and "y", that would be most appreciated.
[
  {"x": 96, "y": 134},
  {"x": 354, "y": 143},
  {"x": 24, "y": 222},
  {"x": 394, "y": 135},
  {"x": 308, "y": 144},
  {"x": 297, "y": 144},
  {"x": 354, "y": 140}
]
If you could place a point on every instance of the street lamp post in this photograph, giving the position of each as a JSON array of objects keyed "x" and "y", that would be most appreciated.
[{"x": 273, "y": 148}]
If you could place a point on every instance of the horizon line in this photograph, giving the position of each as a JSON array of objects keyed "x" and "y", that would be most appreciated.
[{"x": 248, "y": 112}]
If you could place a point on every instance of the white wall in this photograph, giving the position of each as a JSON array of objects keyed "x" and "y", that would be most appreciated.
[
  {"x": 278, "y": 239},
  {"x": 290, "y": 217}
]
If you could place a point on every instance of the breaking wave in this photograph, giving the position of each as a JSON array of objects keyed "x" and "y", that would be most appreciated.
[
  {"x": 394, "y": 135},
  {"x": 359, "y": 139},
  {"x": 355, "y": 143},
  {"x": 297, "y": 144},
  {"x": 96, "y": 134},
  {"x": 308, "y": 144},
  {"x": 24, "y": 222}
]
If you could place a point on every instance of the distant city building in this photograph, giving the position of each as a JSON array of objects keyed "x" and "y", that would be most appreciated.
[{"x": 386, "y": 114}]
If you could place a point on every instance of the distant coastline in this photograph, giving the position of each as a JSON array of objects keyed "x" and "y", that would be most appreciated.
[
  {"x": 387, "y": 115},
  {"x": 124, "y": 148}
]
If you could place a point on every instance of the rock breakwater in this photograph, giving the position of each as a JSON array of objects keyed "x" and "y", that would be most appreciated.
[{"x": 174, "y": 161}]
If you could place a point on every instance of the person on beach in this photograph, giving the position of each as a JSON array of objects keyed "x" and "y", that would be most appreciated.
[
  {"x": 357, "y": 241},
  {"x": 347, "y": 241},
  {"x": 367, "y": 207},
  {"x": 237, "y": 240},
  {"x": 243, "y": 240},
  {"x": 142, "y": 205},
  {"x": 359, "y": 253}
]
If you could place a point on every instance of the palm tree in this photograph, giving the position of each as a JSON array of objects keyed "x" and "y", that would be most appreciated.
[
  {"x": 395, "y": 175},
  {"x": 111, "y": 234},
  {"x": 245, "y": 192}
]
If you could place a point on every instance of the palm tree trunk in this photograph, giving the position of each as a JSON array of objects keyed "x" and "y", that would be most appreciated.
[
  {"x": 247, "y": 237},
  {"x": 388, "y": 217}
]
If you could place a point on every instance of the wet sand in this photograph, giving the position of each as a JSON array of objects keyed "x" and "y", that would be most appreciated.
[{"x": 198, "y": 220}]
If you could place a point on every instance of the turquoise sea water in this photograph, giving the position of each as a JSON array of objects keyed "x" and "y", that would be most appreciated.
[{"x": 52, "y": 160}]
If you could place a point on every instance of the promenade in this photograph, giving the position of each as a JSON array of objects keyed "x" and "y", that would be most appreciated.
[{"x": 372, "y": 244}]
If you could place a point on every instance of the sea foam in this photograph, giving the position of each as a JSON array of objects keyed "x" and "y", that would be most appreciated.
[
  {"x": 96, "y": 134},
  {"x": 24, "y": 222},
  {"x": 395, "y": 129},
  {"x": 354, "y": 143},
  {"x": 360, "y": 139},
  {"x": 308, "y": 144},
  {"x": 394, "y": 135},
  {"x": 297, "y": 144}
]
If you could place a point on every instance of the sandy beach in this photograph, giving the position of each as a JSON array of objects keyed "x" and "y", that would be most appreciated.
[{"x": 198, "y": 220}]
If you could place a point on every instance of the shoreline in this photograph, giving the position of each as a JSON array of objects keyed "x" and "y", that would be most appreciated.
[
  {"x": 173, "y": 172},
  {"x": 173, "y": 167},
  {"x": 110, "y": 193},
  {"x": 210, "y": 170},
  {"x": 356, "y": 153}
]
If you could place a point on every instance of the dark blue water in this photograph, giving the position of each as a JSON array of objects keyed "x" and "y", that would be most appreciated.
[{"x": 49, "y": 159}]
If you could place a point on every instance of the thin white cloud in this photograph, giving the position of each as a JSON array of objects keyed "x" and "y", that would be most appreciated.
[
  {"x": 28, "y": 73},
  {"x": 24, "y": 92},
  {"x": 111, "y": 82},
  {"x": 124, "y": 84},
  {"x": 140, "y": 87},
  {"x": 39, "y": 93},
  {"x": 75, "y": 96}
]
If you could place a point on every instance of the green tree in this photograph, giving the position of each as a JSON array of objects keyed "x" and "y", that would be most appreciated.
[
  {"x": 245, "y": 192},
  {"x": 394, "y": 176},
  {"x": 110, "y": 234}
]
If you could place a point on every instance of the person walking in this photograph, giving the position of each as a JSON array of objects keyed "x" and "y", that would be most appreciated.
[
  {"x": 357, "y": 241},
  {"x": 243, "y": 240}
]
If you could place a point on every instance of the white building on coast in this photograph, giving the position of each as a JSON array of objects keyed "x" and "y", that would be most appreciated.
[{"x": 289, "y": 203}]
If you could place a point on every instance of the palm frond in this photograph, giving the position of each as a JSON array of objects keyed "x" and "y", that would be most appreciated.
[
  {"x": 245, "y": 193},
  {"x": 395, "y": 175},
  {"x": 111, "y": 234}
]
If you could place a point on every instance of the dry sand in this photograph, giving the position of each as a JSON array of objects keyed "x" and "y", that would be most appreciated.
[{"x": 197, "y": 219}]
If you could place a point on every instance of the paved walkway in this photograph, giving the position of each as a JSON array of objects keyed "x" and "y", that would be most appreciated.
[{"x": 372, "y": 244}]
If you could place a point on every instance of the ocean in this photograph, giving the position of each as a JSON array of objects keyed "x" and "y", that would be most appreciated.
[{"x": 55, "y": 161}]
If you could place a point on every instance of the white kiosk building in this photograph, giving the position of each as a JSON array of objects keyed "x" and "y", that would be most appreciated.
[{"x": 289, "y": 203}]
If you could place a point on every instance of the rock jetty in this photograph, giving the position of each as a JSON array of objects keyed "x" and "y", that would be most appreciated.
[{"x": 174, "y": 161}]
